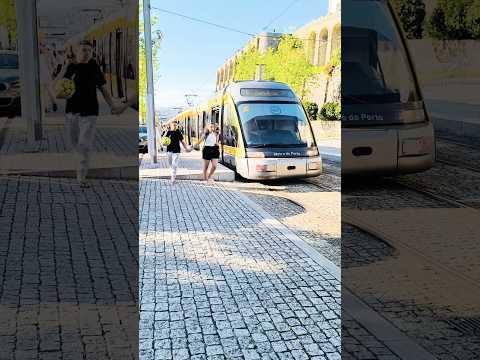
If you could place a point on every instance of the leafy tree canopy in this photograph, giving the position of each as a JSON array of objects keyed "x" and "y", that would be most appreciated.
[
  {"x": 287, "y": 64},
  {"x": 412, "y": 16},
  {"x": 455, "y": 20},
  {"x": 8, "y": 18}
]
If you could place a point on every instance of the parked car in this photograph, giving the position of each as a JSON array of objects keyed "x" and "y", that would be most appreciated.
[
  {"x": 9, "y": 84},
  {"x": 142, "y": 139}
]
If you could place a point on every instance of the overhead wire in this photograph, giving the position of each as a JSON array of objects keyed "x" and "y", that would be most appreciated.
[
  {"x": 227, "y": 27},
  {"x": 202, "y": 21},
  {"x": 281, "y": 14}
]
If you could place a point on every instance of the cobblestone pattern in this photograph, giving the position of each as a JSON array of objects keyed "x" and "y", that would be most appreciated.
[
  {"x": 119, "y": 141},
  {"x": 362, "y": 249},
  {"x": 432, "y": 323},
  {"x": 359, "y": 344},
  {"x": 69, "y": 269},
  {"x": 383, "y": 194},
  {"x": 460, "y": 154},
  {"x": 281, "y": 208},
  {"x": 217, "y": 282},
  {"x": 330, "y": 180},
  {"x": 278, "y": 205}
]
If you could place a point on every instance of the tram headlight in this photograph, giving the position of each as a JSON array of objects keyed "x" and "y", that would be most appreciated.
[
  {"x": 416, "y": 146},
  {"x": 264, "y": 168},
  {"x": 314, "y": 165}
]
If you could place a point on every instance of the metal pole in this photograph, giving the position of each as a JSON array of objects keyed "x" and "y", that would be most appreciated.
[
  {"x": 151, "y": 133},
  {"x": 27, "y": 34},
  {"x": 260, "y": 72}
]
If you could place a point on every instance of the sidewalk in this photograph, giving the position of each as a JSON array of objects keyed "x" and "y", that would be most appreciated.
[
  {"x": 330, "y": 149},
  {"x": 220, "y": 278},
  {"x": 190, "y": 168},
  {"x": 69, "y": 269},
  {"x": 454, "y": 106},
  {"x": 114, "y": 152},
  {"x": 457, "y": 118}
]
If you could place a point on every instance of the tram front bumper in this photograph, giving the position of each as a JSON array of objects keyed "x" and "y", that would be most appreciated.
[
  {"x": 387, "y": 151},
  {"x": 278, "y": 168}
]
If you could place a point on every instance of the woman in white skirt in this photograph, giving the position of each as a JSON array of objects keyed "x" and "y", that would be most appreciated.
[{"x": 210, "y": 151}]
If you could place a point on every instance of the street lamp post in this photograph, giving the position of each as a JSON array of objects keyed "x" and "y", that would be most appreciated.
[
  {"x": 259, "y": 75},
  {"x": 26, "y": 15},
  {"x": 151, "y": 133}
]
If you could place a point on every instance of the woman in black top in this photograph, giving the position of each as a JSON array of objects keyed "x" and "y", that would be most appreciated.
[{"x": 173, "y": 149}]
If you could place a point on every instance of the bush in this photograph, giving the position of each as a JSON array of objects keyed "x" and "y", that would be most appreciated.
[
  {"x": 473, "y": 19},
  {"x": 412, "y": 15},
  {"x": 312, "y": 110},
  {"x": 331, "y": 111},
  {"x": 454, "y": 20}
]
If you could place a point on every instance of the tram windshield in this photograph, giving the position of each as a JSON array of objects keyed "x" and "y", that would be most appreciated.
[
  {"x": 8, "y": 61},
  {"x": 275, "y": 125},
  {"x": 375, "y": 67}
]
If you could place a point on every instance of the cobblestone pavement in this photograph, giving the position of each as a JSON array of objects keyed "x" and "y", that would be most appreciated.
[
  {"x": 310, "y": 208},
  {"x": 405, "y": 281},
  {"x": 222, "y": 280},
  {"x": 72, "y": 295},
  {"x": 109, "y": 139},
  {"x": 359, "y": 343}
]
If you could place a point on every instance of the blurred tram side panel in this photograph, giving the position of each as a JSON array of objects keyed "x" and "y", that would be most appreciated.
[{"x": 115, "y": 44}]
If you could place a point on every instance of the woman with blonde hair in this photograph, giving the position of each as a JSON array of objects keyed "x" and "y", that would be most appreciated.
[
  {"x": 210, "y": 151},
  {"x": 46, "y": 75}
]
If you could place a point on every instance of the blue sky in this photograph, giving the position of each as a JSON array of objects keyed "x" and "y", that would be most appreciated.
[{"x": 191, "y": 52}]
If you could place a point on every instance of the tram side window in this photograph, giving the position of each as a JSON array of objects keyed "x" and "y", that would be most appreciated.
[
  {"x": 230, "y": 132},
  {"x": 204, "y": 120},
  {"x": 194, "y": 126}
]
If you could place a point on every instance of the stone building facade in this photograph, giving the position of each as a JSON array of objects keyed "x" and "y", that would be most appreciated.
[
  {"x": 321, "y": 36},
  {"x": 261, "y": 42}
]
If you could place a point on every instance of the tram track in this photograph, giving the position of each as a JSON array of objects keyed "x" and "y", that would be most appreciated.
[
  {"x": 377, "y": 232},
  {"x": 463, "y": 165},
  {"x": 450, "y": 200}
]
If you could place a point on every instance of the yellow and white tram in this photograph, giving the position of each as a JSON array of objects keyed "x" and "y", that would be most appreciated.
[
  {"x": 264, "y": 130},
  {"x": 385, "y": 126}
]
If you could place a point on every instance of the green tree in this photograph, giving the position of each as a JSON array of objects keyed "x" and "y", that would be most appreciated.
[
  {"x": 247, "y": 65},
  {"x": 449, "y": 20},
  {"x": 287, "y": 64},
  {"x": 329, "y": 68},
  {"x": 312, "y": 110},
  {"x": 473, "y": 19},
  {"x": 8, "y": 20},
  {"x": 331, "y": 111},
  {"x": 142, "y": 62},
  {"x": 412, "y": 16}
]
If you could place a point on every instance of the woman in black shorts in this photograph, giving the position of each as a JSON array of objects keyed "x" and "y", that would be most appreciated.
[{"x": 211, "y": 151}]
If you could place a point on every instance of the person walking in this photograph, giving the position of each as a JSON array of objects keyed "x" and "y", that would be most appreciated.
[
  {"x": 210, "y": 151},
  {"x": 82, "y": 108},
  {"x": 173, "y": 148}
]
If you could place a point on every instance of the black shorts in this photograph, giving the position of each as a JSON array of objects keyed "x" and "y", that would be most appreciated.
[{"x": 210, "y": 152}]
